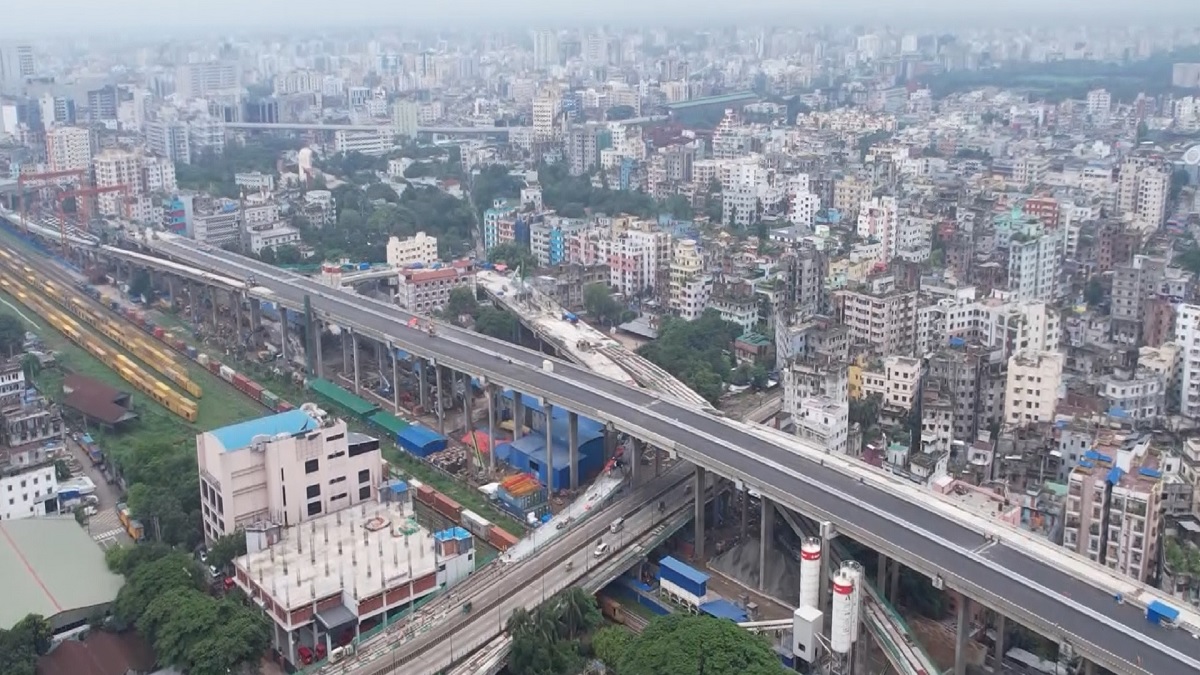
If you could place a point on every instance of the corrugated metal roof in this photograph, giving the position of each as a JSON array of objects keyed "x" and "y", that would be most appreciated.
[
  {"x": 51, "y": 566},
  {"x": 341, "y": 397},
  {"x": 684, "y": 570}
]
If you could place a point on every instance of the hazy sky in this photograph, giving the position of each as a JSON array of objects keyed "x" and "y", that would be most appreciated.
[{"x": 34, "y": 17}]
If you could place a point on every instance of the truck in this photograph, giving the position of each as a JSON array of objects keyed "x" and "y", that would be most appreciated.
[{"x": 1162, "y": 614}]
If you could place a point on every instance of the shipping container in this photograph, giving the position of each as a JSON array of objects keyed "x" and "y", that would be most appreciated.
[
  {"x": 475, "y": 523},
  {"x": 269, "y": 399},
  {"x": 500, "y": 539},
  {"x": 284, "y": 406},
  {"x": 425, "y": 495},
  {"x": 214, "y": 367},
  {"x": 447, "y": 507},
  {"x": 202, "y": 359},
  {"x": 192, "y": 352},
  {"x": 226, "y": 373}
]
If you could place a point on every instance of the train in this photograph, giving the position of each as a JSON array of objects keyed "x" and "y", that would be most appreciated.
[
  {"x": 477, "y": 525},
  {"x": 144, "y": 350},
  {"x": 125, "y": 367}
]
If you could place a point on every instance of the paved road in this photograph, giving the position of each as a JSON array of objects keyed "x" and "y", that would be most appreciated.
[
  {"x": 1032, "y": 591},
  {"x": 525, "y": 584}
]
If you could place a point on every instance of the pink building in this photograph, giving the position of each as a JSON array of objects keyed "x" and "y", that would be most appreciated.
[{"x": 283, "y": 469}]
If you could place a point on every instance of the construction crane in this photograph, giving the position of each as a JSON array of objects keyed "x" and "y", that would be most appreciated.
[
  {"x": 83, "y": 205},
  {"x": 43, "y": 180}
]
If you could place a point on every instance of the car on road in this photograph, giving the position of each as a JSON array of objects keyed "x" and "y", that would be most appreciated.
[{"x": 601, "y": 549}]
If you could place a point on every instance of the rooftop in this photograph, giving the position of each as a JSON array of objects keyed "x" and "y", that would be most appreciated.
[
  {"x": 51, "y": 566},
  {"x": 240, "y": 435},
  {"x": 360, "y": 551}
]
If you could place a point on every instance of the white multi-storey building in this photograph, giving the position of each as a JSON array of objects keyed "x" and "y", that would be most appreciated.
[
  {"x": 1142, "y": 190},
  {"x": 68, "y": 148},
  {"x": 1187, "y": 337},
  {"x": 365, "y": 142},
  {"x": 545, "y": 116},
  {"x": 419, "y": 248},
  {"x": 283, "y": 469},
  {"x": 878, "y": 219},
  {"x": 1031, "y": 390},
  {"x": 1035, "y": 263},
  {"x": 825, "y": 422},
  {"x": 691, "y": 286}
]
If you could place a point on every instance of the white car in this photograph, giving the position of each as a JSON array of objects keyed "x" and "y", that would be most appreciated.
[{"x": 601, "y": 550}]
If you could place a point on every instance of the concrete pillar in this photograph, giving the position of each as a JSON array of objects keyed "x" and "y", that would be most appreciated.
[
  {"x": 317, "y": 331},
  {"x": 468, "y": 400},
  {"x": 518, "y": 415},
  {"x": 1001, "y": 632},
  {"x": 881, "y": 567},
  {"x": 256, "y": 321},
  {"x": 745, "y": 513},
  {"x": 395, "y": 379},
  {"x": 962, "y": 633},
  {"x": 283, "y": 333},
  {"x": 421, "y": 367},
  {"x": 354, "y": 358},
  {"x": 346, "y": 349},
  {"x": 492, "y": 393},
  {"x": 439, "y": 404},
  {"x": 658, "y": 453},
  {"x": 766, "y": 534},
  {"x": 547, "y": 410},
  {"x": 698, "y": 494},
  {"x": 610, "y": 442},
  {"x": 826, "y": 561},
  {"x": 1089, "y": 667},
  {"x": 894, "y": 583},
  {"x": 235, "y": 305},
  {"x": 634, "y": 459},
  {"x": 216, "y": 306},
  {"x": 573, "y": 447},
  {"x": 171, "y": 290}
]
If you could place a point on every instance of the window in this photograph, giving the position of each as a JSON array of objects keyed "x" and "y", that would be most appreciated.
[
  {"x": 339, "y": 479},
  {"x": 340, "y": 453},
  {"x": 335, "y": 437},
  {"x": 364, "y": 492},
  {"x": 314, "y": 508},
  {"x": 340, "y": 495},
  {"x": 364, "y": 475},
  {"x": 313, "y": 491},
  {"x": 364, "y": 447},
  {"x": 311, "y": 466}
]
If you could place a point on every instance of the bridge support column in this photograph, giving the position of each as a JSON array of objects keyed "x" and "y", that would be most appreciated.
[
  {"x": 283, "y": 334},
  {"x": 256, "y": 321},
  {"x": 610, "y": 442},
  {"x": 548, "y": 410},
  {"x": 699, "y": 493},
  {"x": 354, "y": 359},
  {"x": 235, "y": 305},
  {"x": 894, "y": 582},
  {"x": 745, "y": 531},
  {"x": 216, "y": 308},
  {"x": 193, "y": 301},
  {"x": 440, "y": 403},
  {"x": 1089, "y": 667},
  {"x": 658, "y": 453},
  {"x": 171, "y": 290},
  {"x": 827, "y": 535},
  {"x": 318, "y": 330},
  {"x": 395, "y": 382},
  {"x": 345, "y": 349},
  {"x": 468, "y": 396},
  {"x": 573, "y": 447},
  {"x": 634, "y": 459},
  {"x": 1001, "y": 633},
  {"x": 766, "y": 534},
  {"x": 422, "y": 367},
  {"x": 518, "y": 415},
  {"x": 963, "y": 632},
  {"x": 881, "y": 569},
  {"x": 492, "y": 393}
]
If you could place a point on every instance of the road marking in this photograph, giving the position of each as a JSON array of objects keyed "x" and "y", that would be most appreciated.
[{"x": 108, "y": 534}]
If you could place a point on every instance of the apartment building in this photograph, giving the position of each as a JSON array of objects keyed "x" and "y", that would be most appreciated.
[
  {"x": 69, "y": 148},
  {"x": 273, "y": 236},
  {"x": 28, "y": 482},
  {"x": 1032, "y": 389},
  {"x": 198, "y": 80},
  {"x": 418, "y": 249},
  {"x": 283, "y": 469},
  {"x": 849, "y": 193},
  {"x": 879, "y": 220},
  {"x": 1187, "y": 337},
  {"x": 824, "y": 421},
  {"x": 896, "y": 380},
  {"x": 502, "y": 211},
  {"x": 1143, "y": 184},
  {"x": 1113, "y": 509},
  {"x": 372, "y": 143},
  {"x": 216, "y": 221},
  {"x": 427, "y": 290},
  {"x": 1035, "y": 257},
  {"x": 549, "y": 238},
  {"x": 880, "y": 316},
  {"x": 691, "y": 285},
  {"x": 169, "y": 138},
  {"x": 637, "y": 254},
  {"x": 140, "y": 176}
]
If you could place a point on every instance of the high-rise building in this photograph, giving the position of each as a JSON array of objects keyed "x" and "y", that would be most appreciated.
[
  {"x": 545, "y": 116},
  {"x": 404, "y": 118},
  {"x": 68, "y": 148},
  {"x": 1035, "y": 263},
  {"x": 1187, "y": 334},
  {"x": 879, "y": 220},
  {"x": 56, "y": 110},
  {"x": 1142, "y": 188},
  {"x": 196, "y": 80},
  {"x": 102, "y": 103},
  {"x": 545, "y": 49},
  {"x": 169, "y": 138},
  {"x": 691, "y": 286},
  {"x": 1031, "y": 392}
]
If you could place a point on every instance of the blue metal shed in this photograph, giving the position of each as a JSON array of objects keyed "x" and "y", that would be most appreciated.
[
  {"x": 684, "y": 576},
  {"x": 421, "y": 441},
  {"x": 1159, "y": 612},
  {"x": 724, "y": 609}
]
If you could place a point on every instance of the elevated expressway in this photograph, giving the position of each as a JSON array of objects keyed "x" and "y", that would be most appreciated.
[{"x": 1023, "y": 578}]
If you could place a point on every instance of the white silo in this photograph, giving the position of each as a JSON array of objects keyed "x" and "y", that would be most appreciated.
[
  {"x": 841, "y": 637},
  {"x": 854, "y": 571},
  {"x": 810, "y": 572}
]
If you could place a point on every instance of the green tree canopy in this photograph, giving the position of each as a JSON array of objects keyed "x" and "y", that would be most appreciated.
[
  {"x": 462, "y": 302},
  {"x": 514, "y": 256},
  {"x": 698, "y": 645},
  {"x": 600, "y": 304},
  {"x": 226, "y": 549},
  {"x": 496, "y": 323},
  {"x": 546, "y": 641},
  {"x": 697, "y": 352},
  {"x": 21, "y": 645},
  {"x": 12, "y": 334}
]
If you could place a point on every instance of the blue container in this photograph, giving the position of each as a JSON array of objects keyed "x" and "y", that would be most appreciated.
[
  {"x": 364, "y": 266},
  {"x": 191, "y": 352}
]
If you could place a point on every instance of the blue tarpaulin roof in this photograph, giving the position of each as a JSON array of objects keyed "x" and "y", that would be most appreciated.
[
  {"x": 238, "y": 436},
  {"x": 1158, "y": 610},
  {"x": 684, "y": 570},
  {"x": 417, "y": 437},
  {"x": 452, "y": 533},
  {"x": 724, "y": 609},
  {"x": 1114, "y": 476},
  {"x": 398, "y": 487}
]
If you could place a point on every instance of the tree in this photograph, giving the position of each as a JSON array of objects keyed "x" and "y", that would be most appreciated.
[
  {"x": 497, "y": 323},
  {"x": 226, "y": 549},
  {"x": 61, "y": 470},
  {"x": 151, "y": 580},
  {"x": 759, "y": 377},
  {"x": 697, "y": 352},
  {"x": 28, "y": 639},
  {"x": 462, "y": 302},
  {"x": 610, "y": 645},
  {"x": 514, "y": 256},
  {"x": 12, "y": 334},
  {"x": 599, "y": 303},
  {"x": 698, "y": 645},
  {"x": 139, "y": 284}
]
